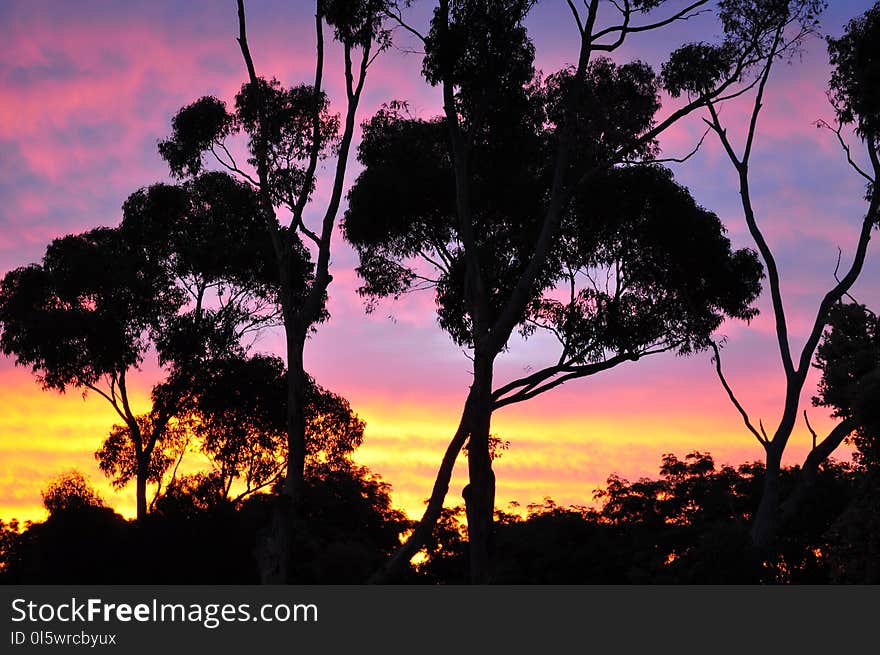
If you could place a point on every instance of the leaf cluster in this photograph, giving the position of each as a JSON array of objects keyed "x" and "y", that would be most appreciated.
[
  {"x": 855, "y": 82},
  {"x": 849, "y": 359}
]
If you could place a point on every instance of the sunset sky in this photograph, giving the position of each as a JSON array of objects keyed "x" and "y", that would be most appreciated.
[{"x": 88, "y": 88}]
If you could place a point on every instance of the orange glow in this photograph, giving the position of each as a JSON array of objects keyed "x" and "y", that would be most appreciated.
[{"x": 553, "y": 453}]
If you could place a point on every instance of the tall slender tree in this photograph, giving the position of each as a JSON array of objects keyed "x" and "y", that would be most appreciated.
[
  {"x": 854, "y": 96},
  {"x": 289, "y": 130},
  {"x": 498, "y": 200}
]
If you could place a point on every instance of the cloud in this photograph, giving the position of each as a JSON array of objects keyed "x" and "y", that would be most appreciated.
[{"x": 87, "y": 89}]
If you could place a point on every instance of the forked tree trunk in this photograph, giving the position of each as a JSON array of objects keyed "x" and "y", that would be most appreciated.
[{"x": 423, "y": 530}]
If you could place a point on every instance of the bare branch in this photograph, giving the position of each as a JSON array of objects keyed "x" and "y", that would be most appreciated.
[
  {"x": 624, "y": 29},
  {"x": 810, "y": 428},
  {"x": 306, "y": 231},
  {"x": 110, "y": 399},
  {"x": 741, "y": 166},
  {"x": 548, "y": 378},
  {"x": 837, "y": 278},
  {"x": 398, "y": 18},
  {"x": 527, "y": 393},
  {"x": 821, "y": 123},
  {"x": 315, "y": 148},
  {"x": 577, "y": 17},
  {"x": 732, "y": 396},
  {"x": 759, "y": 97},
  {"x": 439, "y": 266},
  {"x": 676, "y": 160},
  {"x": 809, "y": 471}
]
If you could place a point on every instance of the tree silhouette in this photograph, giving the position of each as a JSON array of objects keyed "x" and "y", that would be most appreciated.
[
  {"x": 101, "y": 301},
  {"x": 75, "y": 543},
  {"x": 289, "y": 131},
  {"x": 10, "y": 536},
  {"x": 689, "y": 525},
  {"x": 849, "y": 358},
  {"x": 82, "y": 318},
  {"x": 70, "y": 493},
  {"x": 239, "y": 419},
  {"x": 854, "y": 98},
  {"x": 510, "y": 200},
  {"x": 196, "y": 536}
]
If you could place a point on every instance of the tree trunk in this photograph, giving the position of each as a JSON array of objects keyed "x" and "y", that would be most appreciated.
[
  {"x": 274, "y": 552},
  {"x": 765, "y": 525},
  {"x": 296, "y": 421},
  {"x": 766, "y": 522},
  {"x": 479, "y": 494},
  {"x": 425, "y": 527},
  {"x": 141, "y": 486}
]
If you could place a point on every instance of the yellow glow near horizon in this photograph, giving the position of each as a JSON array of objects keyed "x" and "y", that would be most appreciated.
[{"x": 566, "y": 457}]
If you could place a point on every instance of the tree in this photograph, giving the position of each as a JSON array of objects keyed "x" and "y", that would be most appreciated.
[
  {"x": 239, "y": 420},
  {"x": 70, "y": 493},
  {"x": 495, "y": 201},
  {"x": 101, "y": 301},
  {"x": 74, "y": 544},
  {"x": 853, "y": 94},
  {"x": 849, "y": 359},
  {"x": 10, "y": 537},
  {"x": 234, "y": 415},
  {"x": 289, "y": 131},
  {"x": 82, "y": 318}
]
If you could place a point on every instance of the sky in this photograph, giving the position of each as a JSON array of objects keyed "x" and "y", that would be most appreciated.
[{"x": 87, "y": 89}]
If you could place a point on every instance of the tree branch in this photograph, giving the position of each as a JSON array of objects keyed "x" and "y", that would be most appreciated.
[
  {"x": 761, "y": 439},
  {"x": 624, "y": 29}
]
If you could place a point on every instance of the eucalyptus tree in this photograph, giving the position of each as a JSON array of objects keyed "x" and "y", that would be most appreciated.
[
  {"x": 853, "y": 94},
  {"x": 289, "y": 130},
  {"x": 102, "y": 301},
  {"x": 848, "y": 357},
  {"x": 528, "y": 194},
  {"x": 240, "y": 423}
]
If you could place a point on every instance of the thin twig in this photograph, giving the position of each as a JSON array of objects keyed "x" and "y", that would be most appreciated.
[
  {"x": 762, "y": 440},
  {"x": 810, "y": 428}
]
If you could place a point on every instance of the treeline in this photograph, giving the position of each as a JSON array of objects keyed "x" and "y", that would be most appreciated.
[
  {"x": 690, "y": 525},
  {"x": 531, "y": 204}
]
